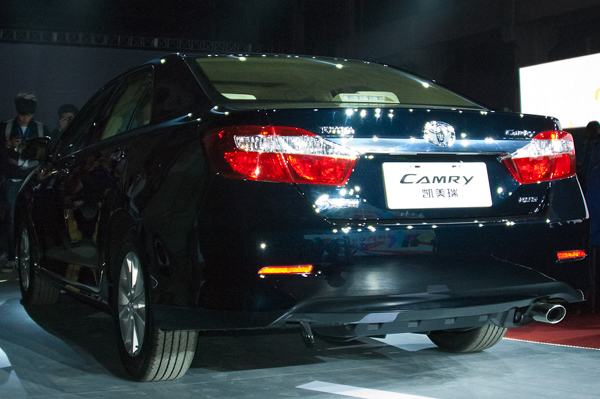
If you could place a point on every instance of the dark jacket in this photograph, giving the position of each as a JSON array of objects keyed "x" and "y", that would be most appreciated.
[
  {"x": 8, "y": 169},
  {"x": 34, "y": 129}
]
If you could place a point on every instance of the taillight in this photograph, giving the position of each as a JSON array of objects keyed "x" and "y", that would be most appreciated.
[
  {"x": 278, "y": 154},
  {"x": 299, "y": 269},
  {"x": 570, "y": 255},
  {"x": 549, "y": 156}
]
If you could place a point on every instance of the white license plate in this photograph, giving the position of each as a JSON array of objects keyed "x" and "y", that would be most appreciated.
[{"x": 436, "y": 185}]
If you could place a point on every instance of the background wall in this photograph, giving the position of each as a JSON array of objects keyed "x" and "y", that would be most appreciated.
[
  {"x": 475, "y": 47},
  {"x": 59, "y": 75}
]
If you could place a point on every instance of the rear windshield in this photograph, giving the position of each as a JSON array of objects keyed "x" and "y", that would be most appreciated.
[{"x": 296, "y": 81}]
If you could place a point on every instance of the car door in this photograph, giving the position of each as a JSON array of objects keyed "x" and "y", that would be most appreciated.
[
  {"x": 85, "y": 175},
  {"x": 50, "y": 206}
]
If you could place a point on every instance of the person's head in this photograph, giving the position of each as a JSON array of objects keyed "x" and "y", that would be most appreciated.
[
  {"x": 66, "y": 113},
  {"x": 592, "y": 131},
  {"x": 25, "y": 105}
]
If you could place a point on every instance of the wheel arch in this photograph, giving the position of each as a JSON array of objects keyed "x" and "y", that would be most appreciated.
[{"x": 23, "y": 218}]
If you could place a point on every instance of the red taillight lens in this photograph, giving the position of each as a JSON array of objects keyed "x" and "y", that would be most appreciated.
[
  {"x": 567, "y": 255},
  {"x": 549, "y": 156},
  {"x": 320, "y": 169},
  {"x": 257, "y": 166},
  {"x": 278, "y": 154},
  {"x": 299, "y": 269}
]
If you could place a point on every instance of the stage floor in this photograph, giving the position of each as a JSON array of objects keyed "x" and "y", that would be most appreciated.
[{"x": 75, "y": 356}]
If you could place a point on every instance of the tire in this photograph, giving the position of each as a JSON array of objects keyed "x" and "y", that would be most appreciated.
[
  {"x": 147, "y": 353},
  {"x": 35, "y": 289},
  {"x": 467, "y": 341}
]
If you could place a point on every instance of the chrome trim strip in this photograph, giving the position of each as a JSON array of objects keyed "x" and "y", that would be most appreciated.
[{"x": 414, "y": 146}]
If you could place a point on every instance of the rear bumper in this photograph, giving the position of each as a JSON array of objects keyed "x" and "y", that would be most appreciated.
[
  {"x": 368, "y": 316},
  {"x": 366, "y": 273},
  {"x": 426, "y": 312},
  {"x": 407, "y": 308},
  {"x": 409, "y": 298}
]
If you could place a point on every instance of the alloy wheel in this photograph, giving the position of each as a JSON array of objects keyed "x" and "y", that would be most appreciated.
[{"x": 132, "y": 304}]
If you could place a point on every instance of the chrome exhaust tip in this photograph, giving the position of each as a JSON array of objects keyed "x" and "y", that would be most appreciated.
[{"x": 551, "y": 313}]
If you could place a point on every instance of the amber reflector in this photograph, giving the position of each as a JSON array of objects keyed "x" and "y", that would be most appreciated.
[
  {"x": 299, "y": 269},
  {"x": 565, "y": 255}
]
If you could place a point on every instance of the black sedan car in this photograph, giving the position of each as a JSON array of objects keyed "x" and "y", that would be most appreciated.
[{"x": 343, "y": 198}]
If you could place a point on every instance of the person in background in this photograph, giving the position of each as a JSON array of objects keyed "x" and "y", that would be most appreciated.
[
  {"x": 24, "y": 124},
  {"x": 66, "y": 113},
  {"x": 12, "y": 176},
  {"x": 588, "y": 174},
  {"x": 588, "y": 156}
]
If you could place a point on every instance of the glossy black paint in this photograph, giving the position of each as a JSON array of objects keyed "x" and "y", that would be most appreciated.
[{"x": 206, "y": 236}]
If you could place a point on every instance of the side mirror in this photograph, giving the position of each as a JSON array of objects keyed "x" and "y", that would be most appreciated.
[{"x": 37, "y": 149}]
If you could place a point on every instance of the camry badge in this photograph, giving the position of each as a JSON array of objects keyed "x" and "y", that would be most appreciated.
[{"x": 439, "y": 133}]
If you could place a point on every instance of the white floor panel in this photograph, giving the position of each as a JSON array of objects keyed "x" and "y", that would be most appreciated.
[{"x": 69, "y": 351}]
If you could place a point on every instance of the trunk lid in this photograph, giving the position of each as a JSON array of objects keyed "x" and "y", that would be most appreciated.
[{"x": 412, "y": 167}]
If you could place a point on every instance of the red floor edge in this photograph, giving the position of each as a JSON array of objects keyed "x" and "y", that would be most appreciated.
[{"x": 580, "y": 328}]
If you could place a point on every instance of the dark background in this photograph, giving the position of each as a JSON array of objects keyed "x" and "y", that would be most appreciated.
[{"x": 64, "y": 50}]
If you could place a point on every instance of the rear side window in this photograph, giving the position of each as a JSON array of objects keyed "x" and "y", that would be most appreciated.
[
  {"x": 176, "y": 91},
  {"x": 143, "y": 112},
  {"x": 130, "y": 107},
  {"x": 81, "y": 131}
]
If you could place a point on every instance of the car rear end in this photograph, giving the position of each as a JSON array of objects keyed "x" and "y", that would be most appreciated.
[{"x": 377, "y": 205}]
